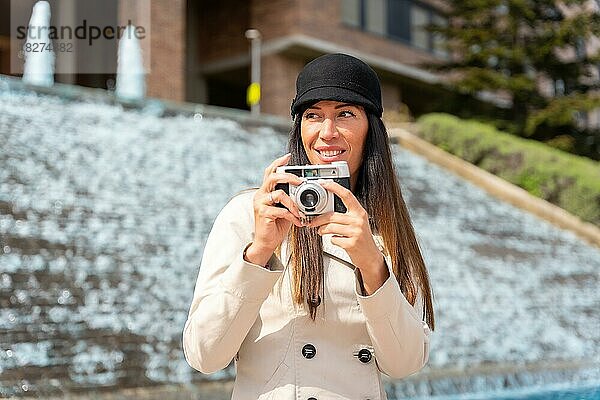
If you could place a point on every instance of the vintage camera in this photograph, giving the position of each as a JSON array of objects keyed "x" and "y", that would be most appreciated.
[{"x": 311, "y": 198}]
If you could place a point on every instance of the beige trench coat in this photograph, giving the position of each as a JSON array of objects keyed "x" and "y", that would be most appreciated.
[{"x": 245, "y": 312}]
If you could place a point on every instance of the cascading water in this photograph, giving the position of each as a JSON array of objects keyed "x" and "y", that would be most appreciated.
[
  {"x": 104, "y": 212},
  {"x": 130, "y": 67},
  {"x": 38, "y": 53}
]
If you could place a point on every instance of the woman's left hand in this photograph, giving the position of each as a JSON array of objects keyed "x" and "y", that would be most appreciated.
[{"x": 352, "y": 232}]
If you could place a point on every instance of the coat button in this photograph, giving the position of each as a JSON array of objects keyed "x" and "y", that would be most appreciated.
[
  {"x": 309, "y": 351},
  {"x": 316, "y": 302},
  {"x": 364, "y": 355}
]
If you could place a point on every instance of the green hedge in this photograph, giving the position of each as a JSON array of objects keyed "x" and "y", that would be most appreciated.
[{"x": 569, "y": 181}]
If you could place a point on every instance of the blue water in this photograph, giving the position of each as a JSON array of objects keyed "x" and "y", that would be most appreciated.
[
  {"x": 591, "y": 393},
  {"x": 549, "y": 393}
]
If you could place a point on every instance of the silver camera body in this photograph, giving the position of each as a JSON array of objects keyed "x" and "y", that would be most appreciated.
[{"x": 311, "y": 198}]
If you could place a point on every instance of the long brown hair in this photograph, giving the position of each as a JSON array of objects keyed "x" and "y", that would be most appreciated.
[{"x": 378, "y": 191}]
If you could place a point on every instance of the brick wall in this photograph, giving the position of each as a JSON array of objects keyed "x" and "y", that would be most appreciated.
[
  {"x": 223, "y": 35},
  {"x": 221, "y": 28},
  {"x": 167, "y": 61},
  {"x": 277, "y": 18},
  {"x": 390, "y": 96},
  {"x": 323, "y": 20},
  {"x": 278, "y": 77}
]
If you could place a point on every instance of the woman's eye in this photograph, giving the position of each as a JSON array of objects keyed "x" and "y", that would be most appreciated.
[
  {"x": 347, "y": 113},
  {"x": 310, "y": 115}
]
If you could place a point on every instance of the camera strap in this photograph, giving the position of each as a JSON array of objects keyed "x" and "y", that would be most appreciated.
[{"x": 341, "y": 260}]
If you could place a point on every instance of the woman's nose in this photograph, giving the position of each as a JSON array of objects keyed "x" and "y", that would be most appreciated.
[{"x": 328, "y": 129}]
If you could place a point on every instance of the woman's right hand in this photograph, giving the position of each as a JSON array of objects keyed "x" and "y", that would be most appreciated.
[{"x": 272, "y": 223}]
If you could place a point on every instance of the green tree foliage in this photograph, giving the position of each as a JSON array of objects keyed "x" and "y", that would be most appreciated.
[{"x": 511, "y": 46}]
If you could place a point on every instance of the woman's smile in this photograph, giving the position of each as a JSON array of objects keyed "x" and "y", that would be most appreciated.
[{"x": 329, "y": 154}]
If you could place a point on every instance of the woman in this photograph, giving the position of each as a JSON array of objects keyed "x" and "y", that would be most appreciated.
[{"x": 316, "y": 310}]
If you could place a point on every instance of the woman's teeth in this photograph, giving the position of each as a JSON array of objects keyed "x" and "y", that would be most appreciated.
[{"x": 330, "y": 153}]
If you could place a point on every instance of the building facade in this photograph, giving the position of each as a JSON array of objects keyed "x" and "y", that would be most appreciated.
[
  {"x": 199, "y": 52},
  {"x": 387, "y": 34}
]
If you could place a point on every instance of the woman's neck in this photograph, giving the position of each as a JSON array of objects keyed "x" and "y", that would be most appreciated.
[{"x": 353, "y": 180}]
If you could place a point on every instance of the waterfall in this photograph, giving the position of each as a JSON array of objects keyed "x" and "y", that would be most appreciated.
[{"x": 104, "y": 209}]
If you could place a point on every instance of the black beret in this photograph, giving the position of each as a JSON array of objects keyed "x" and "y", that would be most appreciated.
[{"x": 339, "y": 77}]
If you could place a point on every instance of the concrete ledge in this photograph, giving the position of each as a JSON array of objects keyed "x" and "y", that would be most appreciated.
[
  {"x": 205, "y": 390},
  {"x": 496, "y": 186},
  {"x": 467, "y": 380},
  {"x": 160, "y": 107},
  {"x": 499, "y": 369}
]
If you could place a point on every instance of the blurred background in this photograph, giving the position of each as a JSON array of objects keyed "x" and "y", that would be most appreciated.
[{"x": 122, "y": 140}]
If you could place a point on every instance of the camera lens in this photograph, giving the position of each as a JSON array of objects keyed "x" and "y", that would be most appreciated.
[{"x": 309, "y": 198}]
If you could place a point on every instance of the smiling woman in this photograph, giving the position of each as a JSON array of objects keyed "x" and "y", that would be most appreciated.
[{"x": 317, "y": 310}]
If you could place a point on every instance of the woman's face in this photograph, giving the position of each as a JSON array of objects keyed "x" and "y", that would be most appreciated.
[{"x": 335, "y": 131}]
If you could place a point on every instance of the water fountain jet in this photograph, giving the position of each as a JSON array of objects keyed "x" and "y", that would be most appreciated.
[
  {"x": 38, "y": 53},
  {"x": 130, "y": 67}
]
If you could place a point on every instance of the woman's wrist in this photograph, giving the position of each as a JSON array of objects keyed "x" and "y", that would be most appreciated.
[
  {"x": 255, "y": 254},
  {"x": 374, "y": 278}
]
